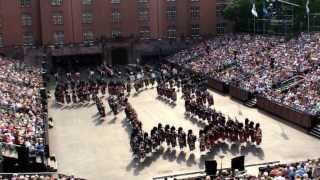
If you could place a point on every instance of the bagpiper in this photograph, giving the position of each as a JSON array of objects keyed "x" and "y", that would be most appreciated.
[
  {"x": 167, "y": 134},
  {"x": 182, "y": 138},
  {"x": 258, "y": 134},
  {"x": 173, "y": 137},
  {"x": 191, "y": 139}
]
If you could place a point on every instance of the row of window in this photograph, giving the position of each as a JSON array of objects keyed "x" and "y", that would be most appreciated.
[
  {"x": 143, "y": 13},
  {"x": 171, "y": 32},
  {"x": 219, "y": 9},
  {"x": 87, "y": 17},
  {"x": 144, "y": 33},
  {"x": 172, "y": 12},
  {"x": 190, "y": 0},
  {"x": 58, "y": 38},
  {"x": 27, "y": 3},
  {"x": 27, "y": 39},
  {"x": 57, "y": 18}
]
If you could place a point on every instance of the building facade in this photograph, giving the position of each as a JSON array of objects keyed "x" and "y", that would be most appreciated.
[
  {"x": 222, "y": 25},
  {"x": 63, "y": 23},
  {"x": 25, "y": 22},
  {"x": 20, "y": 22}
]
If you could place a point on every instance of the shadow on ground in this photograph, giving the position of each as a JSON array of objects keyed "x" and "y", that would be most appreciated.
[{"x": 180, "y": 156}]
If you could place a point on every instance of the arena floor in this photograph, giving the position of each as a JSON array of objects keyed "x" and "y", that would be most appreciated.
[{"x": 93, "y": 148}]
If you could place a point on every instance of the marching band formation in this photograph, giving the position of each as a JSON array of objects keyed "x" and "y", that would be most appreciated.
[
  {"x": 167, "y": 92},
  {"x": 232, "y": 130},
  {"x": 73, "y": 90},
  {"x": 77, "y": 91},
  {"x": 198, "y": 103},
  {"x": 100, "y": 106},
  {"x": 142, "y": 144}
]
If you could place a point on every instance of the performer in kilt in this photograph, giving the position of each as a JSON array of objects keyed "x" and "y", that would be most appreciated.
[
  {"x": 191, "y": 140},
  {"x": 182, "y": 138}
]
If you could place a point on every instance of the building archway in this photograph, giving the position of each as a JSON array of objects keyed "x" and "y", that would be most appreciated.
[
  {"x": 76, "y": 62},
  {"x": 119, "y": 56}
]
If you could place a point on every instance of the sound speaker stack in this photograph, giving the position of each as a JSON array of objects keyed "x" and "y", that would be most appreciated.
[
  {"x": 211, "y": 168},
  {"x": 237, "y": 163}
]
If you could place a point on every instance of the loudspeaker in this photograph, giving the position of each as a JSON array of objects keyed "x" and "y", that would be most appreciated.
[
  {"x": 23, "y": 158},
  {"x": 237, "y": 163},
  {"x": 10, "y": 165},
  {"x": 211, "y": 167},
  {"x": 44, "y": 64},
  {"x": 43, "y": 93}
]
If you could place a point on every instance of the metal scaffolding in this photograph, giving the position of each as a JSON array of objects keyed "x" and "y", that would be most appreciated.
[{"x": 280, "y": 19}]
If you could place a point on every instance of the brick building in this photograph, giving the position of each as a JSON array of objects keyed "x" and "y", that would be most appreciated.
[
  {"x": 222, "y": 25},
  {"x": 64, "y": 22},
  {"x": 19, "y": 22}
]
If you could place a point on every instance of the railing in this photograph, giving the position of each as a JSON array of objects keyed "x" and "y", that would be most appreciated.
[
  {"x": 203, "y": 172},
  {"x": 289, "y": 83},
  {"x": 301, "y": 118},
  {"x": 10, "y": 175}
]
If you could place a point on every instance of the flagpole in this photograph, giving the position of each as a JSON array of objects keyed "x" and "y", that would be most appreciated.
[
  {"x": 254, "y": 24},
  {"x": 308, "y": 13},
  {"x": 308, "y": 23},
  {"x": 254, "y": 18}
]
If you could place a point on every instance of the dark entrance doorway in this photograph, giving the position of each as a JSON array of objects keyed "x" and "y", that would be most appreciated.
[
  {"x": 76, "y": 62},
  {"x": 119, "y": 56},
  {"x": 150, "y": 59}
]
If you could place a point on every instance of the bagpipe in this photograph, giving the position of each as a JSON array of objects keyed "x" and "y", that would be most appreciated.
[
  {"x": 113, "y": 104},
  {"x": 138, "y": 84},
  {"x": 146, "y": 82},
  {"x": 116, "y": 88},
  {"x": 182, "y": 139},
  {"x": 129, "y": 88},
  {"x": 68, "y": 98},
  {"x": 202, "y": 143},
  {"x": 191, "y": 140},
  {"x": 152, "y": 81},
  {"x": 258, "y": 136},
  {"x": 100, "y": 107},
  {"x": 210, "y": 100},
  {"x": 167, "y": 93},
  {"x": 173, "y": 138},
  {"x": 103, "y": 89}
]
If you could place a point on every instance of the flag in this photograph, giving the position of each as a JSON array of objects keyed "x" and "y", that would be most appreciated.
[
  {"x": 265, "y": 10},
  {"x": 253, "y": 10},
  {"x": 307, "y": 7}
]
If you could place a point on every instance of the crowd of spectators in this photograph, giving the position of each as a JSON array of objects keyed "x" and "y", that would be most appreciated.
[
  {"x": 41, "y": 176},
  {"x": 304, "y": 97},
  {"x": 309, "y": 169},
  {"x": 22, "y": 116},
  {"x": 260, "y": 64},
  {"x": 306, "y": 170},
  {"x": 284, "y": 60}
]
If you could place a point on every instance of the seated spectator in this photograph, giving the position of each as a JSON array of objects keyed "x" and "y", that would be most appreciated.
[{"x": 22, "y": 119}]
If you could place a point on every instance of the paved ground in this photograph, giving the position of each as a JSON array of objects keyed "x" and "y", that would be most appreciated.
[{"x": 90, "y": 148}]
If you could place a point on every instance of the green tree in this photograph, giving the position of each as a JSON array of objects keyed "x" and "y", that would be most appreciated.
[{"x": 239, "y": 12}]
